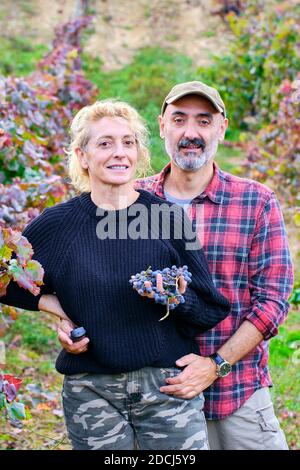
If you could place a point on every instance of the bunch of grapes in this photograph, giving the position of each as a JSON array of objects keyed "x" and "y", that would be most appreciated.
[{"x": 170, "y": 296}]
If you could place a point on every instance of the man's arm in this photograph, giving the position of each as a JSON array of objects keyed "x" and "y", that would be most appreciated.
[
  {"x": 271, "y": 276},
  {"x": 49, "y": 303},
  {"x": 200, "y": 372},
  {"x": 244, "y": 340},
  {"x": 270, "y": 284}
]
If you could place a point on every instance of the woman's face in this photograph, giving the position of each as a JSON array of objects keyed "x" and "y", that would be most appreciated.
[{"x": 112, "y": 153}]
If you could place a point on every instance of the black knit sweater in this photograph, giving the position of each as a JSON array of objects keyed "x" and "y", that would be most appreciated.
[{"x": 91, "y": 279}]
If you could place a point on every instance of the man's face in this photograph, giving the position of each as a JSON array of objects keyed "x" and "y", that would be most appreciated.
[{"x": 192, "y": 129}]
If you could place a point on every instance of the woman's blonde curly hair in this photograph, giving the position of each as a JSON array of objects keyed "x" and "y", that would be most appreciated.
[{"x": 80, "y": 136}]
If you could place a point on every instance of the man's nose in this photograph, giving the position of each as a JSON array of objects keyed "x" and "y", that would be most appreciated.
[{"x": 191, "y": 130}]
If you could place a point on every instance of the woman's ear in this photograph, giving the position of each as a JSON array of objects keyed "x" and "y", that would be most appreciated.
[{"x": 82, "y": 158}]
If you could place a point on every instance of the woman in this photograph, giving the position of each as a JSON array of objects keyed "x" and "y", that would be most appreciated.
[{"x": 89, "y": 247}]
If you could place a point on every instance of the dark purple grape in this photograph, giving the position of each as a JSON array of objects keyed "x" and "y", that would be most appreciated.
[{"x": 171, "y": 296}]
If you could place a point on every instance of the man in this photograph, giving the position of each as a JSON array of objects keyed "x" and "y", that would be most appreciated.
[{"x": 240, "y": 225}]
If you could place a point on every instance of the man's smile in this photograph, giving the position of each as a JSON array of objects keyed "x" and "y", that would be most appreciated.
[{"x": 191, "y": 144}]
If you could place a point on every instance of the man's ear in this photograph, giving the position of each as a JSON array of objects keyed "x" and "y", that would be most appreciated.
[
  {"x": 161, "y": 127},
  {"x": 82, "y": 159},
  {"x": 223, "y": 128}
]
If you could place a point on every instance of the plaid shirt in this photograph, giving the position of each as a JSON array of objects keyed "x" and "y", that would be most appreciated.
[{"x": 241, "y": 228}]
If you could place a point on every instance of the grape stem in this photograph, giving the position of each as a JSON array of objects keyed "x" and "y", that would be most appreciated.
[{"x": 168, "y": 311}]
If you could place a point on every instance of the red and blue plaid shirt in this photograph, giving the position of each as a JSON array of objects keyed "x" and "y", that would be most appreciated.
[{"x": 240, "y": 225}]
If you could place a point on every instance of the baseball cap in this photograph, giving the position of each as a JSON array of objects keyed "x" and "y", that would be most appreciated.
[{"x": 195, "y": 88}]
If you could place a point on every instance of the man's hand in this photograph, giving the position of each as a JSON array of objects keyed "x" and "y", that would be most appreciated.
[
  {"x": 199, "y": 373},
  {"x": 64, "y": 329}
]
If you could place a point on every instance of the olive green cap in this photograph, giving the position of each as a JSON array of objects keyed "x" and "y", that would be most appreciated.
[{"x": 195, "y": 88}]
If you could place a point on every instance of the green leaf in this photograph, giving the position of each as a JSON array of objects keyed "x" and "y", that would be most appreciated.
[
  {"x": 28, "y": 415},
  {"x": 4, "y": 281},
  {"x": 24, "y": 278},
  {"x": 5, "y": 253},
  {"x": 35, "y": 271},
  {"x": 16, "y": 410},
  {"x": 2, "y": 401},
  {"x": 296, "y": 219},
  {"x": 295, "y": 297},
  {"x": 24, "y": 250}
]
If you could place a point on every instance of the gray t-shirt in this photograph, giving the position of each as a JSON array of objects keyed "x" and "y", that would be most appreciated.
[{"x": 184, "y": 203}]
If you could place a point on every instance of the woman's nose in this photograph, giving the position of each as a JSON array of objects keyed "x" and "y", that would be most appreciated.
[{"x": 119, "y": 150}]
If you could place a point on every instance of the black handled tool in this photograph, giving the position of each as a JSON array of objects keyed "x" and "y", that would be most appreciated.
[{"x": 77, "y": 334}]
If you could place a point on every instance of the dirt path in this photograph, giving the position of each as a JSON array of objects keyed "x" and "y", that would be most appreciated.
[{"x": 121, "y": 28}]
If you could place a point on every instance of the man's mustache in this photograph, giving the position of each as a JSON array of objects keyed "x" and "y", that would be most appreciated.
[{"x": 199, "y": 143}]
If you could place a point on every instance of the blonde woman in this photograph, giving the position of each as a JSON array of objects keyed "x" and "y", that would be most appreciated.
[{"x": 89, "y": 247}]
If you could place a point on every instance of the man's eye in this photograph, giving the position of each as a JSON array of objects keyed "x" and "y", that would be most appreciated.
[
  {"x": 204, "y": 122},
  {"x": 178, "y": 120}
]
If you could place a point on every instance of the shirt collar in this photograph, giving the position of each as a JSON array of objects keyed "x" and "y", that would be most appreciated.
[{"x": 215, "y": 190}]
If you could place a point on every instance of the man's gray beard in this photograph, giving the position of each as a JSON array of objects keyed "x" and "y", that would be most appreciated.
[{"x": 193, "y": 163}]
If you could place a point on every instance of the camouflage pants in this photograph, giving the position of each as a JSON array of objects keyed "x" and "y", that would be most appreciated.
[{"x": 126, "y": 411}]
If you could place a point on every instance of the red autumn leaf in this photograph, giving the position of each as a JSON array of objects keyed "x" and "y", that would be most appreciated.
[{"x": 13, "y": 380}]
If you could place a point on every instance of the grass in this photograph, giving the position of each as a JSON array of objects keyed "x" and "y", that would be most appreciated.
[
  {"x": 19, "y": 56},
  {"x": 285, "y": 371},
  {"x": 229, "y": 159},
  {"x": 33, "y": 347},
  {"x": 35, "y": 335}
]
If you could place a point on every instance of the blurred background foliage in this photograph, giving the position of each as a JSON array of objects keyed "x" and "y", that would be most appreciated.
[{"x": 40, "y": 89}]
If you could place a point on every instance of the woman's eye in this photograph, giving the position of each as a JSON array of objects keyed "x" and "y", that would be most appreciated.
[
  {"x": 103, "y": 144},
  {"x": 129, "y": 143}
]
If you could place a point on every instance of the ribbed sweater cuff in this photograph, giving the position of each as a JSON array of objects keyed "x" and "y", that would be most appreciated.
[
  {"x": 32, "y": 304},
  {"x": 189, "y": 310},
  {"x": 22, "y": 300}
]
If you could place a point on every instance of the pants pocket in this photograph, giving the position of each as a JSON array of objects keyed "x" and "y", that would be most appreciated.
[
  {"x": 267, "y": 419},
  {"x": 273, "y": 437},
  {"x": 169, "y": 372}
]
